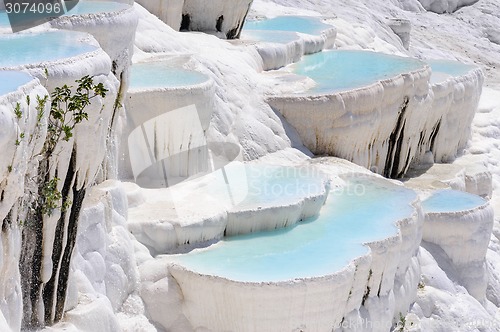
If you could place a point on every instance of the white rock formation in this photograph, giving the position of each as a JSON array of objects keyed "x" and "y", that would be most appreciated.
[
  {"x": 279, "y": 54},
  {"x": 175, "y": 120},
  {"x": 15, "y": 165},
  {"x": 169, "y": 11},
  {"x": 165, "y": 222},
  {"x": 402, "y": 28},
  {"x": 78, "y": 161},
  {"x": 242, "y": 117},
  {"x": 445, "y": 6},
  {"x": 455, "y": 100},
  {"x": 118, "y": 44},
  {"x": 225, "y": 19},
  {"x": 399, "y": 134},
  {"x": 373, "y": 288},
  {"x": 364, "y": 125},
  {"x": 463, "y": 237}
]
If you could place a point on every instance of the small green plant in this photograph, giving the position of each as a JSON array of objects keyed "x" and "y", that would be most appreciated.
[
  {"x": 40, "y": 107},
  {"x": 51, "y": 196},
  {"x": 67, "y": 109},
  {"x": 9, "y": 168},
  {"x": 402, "y": 322},
  {"x": 17, "y": 111},
  {"x": 421, "y": 285}
]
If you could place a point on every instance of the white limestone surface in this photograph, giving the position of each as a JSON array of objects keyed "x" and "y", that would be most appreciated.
[
  {"x": 357, "y": 124},
  {"x": 223, "y": 18},
  {"x": 462, "y": 233},
  {"x": 168, "y": 111},
  {"x": 165, "y": 222},
  {"x": 21, "y": 137},
  {"x": 445, "y": 6},
  {"x": 329, "y": 123},
  {"x": 280, "y": 48},
  {"x": 90, "y": 136},
  {"x": 402, "y": 28},
  {"x": 104, "y": 275},
  {"x": 169, "y": 11},
  {"x": 455, "y": 102},
  {"x": 114, "y": 29},
  {"x": 374, "y": 287}
]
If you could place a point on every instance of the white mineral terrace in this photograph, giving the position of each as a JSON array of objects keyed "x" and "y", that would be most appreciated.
[
  {"x": 225, "y": 19},
  {"x": 458, "y": 226},
  {"x": 285, "y": 39},
  {"x": 457, "y": 88},
  {"x": 95, "y": 17},
  {"x": 306, "y": 269},
  {"x": 168, "y": 110},
  {"x": 202, "y": 207},
  {"x": 235, "y": 199},
  {"x": 390, "y": 98}
]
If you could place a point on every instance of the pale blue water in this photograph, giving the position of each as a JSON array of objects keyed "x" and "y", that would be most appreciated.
[
  {"x": 11, "y": 80},
  {"x": 32, "y": 48},
  {"x": 302, "y": 24},
  {"x": 451, "y": 201},
  {"x": 280, "y": 37},
  {"x": 94, "y": 7},
  {"x": 4, "y": 19},
  {"x": 343, "y": 70},
  {"x": 453, "y": 68},
  {"x": 255, "y": 185},
  {"x": 365, "y": 211},
  {"x": 151, "y": 75}
]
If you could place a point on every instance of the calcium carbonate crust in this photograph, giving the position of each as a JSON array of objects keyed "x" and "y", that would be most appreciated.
[{"x": 386, "y": 276}]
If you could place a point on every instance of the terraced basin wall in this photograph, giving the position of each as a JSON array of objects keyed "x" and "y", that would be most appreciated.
[
  {"x": 445, "y": 6},
  {"x": 15, "y": 166},
  {"x": 225, "y": 18},
  {"x": 374, "y": 288},
  {"x": 115, "y": 32},
  {"x": 169, "y": 11},
  {"x": 277, "y": 55},
  {"x": 47, "y": 247},
  {"x": 143, "y": 106},
  {"x": 461, "y": 239},
  {"x": 377, "y": 127},
  {"x": 221, "y": 16},
  {"x": 431, "y": 117},
  {"x": 455, "y": 101}
]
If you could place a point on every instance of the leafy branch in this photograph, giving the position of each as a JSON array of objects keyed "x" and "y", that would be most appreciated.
[{"x": 67, "y": 109}]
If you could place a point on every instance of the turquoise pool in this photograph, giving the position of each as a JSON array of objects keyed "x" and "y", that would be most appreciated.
[
  {"x": 32, "y": 48},
  {"x": 340, "y": 70},
  {"x": 279, "y": 37},
  {"x": 451, "y": 201},
  {"x": 4, "y": 20},
  {"x": 11, "y": 80},
  {"x": 253, "y": 186},
  {"x": 444, "y": 69},
  {"x": 153, "y": 75},
  {"x": 303, "y": 24},
  {"x": 454, "y": 68},
  {"x": 364, "y": 211}
]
